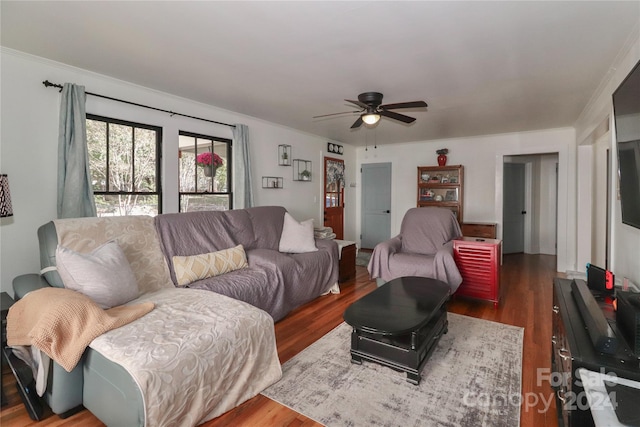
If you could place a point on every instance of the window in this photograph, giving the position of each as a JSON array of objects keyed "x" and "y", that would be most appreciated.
[
  {"x": 204, "y": 173},
  {"x": 124, "y": 160}
]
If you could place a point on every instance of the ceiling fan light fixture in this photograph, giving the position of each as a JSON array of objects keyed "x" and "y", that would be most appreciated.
[{"x": 370, "y": 118}]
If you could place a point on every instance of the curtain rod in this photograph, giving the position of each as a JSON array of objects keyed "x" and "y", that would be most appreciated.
[{"x": 47, "y": 83}]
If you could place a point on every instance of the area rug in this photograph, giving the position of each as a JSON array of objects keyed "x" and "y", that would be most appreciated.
[
  {"x": 473, "y": 378},
  {"x": 363, "y": 258}
]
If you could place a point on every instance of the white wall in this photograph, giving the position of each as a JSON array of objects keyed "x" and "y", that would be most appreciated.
[
  {"x": 625, "y": 240},
  {"x": 599, "y": 206},
  {"x": 548, "y": 204},
  {"x": 482, "y": 158},
  {"x": 28, "y": 150}
]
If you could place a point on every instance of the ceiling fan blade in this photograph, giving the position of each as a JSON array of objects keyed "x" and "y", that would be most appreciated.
[
  {"x": 412, "y": 104},
  {"x": 358, "y": 103},
  {"x": 335, "y": 114},
  {"x": 357, "y": 123},
  {"x": 396, "y": 116}
]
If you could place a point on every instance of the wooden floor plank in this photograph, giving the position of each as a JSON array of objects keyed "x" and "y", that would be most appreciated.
[{"x": 527, "y": 283}]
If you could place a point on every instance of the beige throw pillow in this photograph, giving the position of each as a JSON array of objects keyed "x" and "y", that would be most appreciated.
[
  {"x": 196, "y": 267},
  {"x": 104, "y": 275},
  {"x": 297, "y": 237}
]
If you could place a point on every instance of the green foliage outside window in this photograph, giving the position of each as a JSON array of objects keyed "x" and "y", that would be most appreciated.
[{"x": 123, "y": 162}]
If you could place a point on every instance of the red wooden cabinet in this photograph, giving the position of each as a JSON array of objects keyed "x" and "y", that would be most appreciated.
[{"x": 479, "y": 263}]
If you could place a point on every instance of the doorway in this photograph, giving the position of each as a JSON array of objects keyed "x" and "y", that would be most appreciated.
[
  {"x": 376, "y": 204},
  {"x": 334, "y": 195},
  {"x": 514, "y": 208},
  {"x": 530, "y": 204}
]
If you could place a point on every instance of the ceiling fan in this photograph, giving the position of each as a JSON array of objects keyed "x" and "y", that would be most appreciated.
[{"x": 371, "y": 110}]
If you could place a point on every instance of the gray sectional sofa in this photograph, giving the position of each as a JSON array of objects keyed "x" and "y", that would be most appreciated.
[
  {"x": 275, "y": 282},
  {"x": 105, "y": 381}
]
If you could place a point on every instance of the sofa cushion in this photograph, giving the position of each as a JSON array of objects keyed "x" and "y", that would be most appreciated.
[
  {"x": 267, "y": 226},
  {"x": 259, "y": 285},
  {"x": 135, "y": 235},
  {"x": 104, "y": 274},
  {"x": 297, "y": 237},
  {"x": 194, "y": 233},
  {"x": 425, "y": 230},
  {"x": 196, "y": 267}
]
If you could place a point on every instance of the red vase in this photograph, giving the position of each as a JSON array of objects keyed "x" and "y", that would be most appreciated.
[{"x": 442, "y": 160}]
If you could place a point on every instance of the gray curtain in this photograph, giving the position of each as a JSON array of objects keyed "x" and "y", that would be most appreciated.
[
  {"x": 75, "y": 193},
  {"x": 243, "y": 194}
]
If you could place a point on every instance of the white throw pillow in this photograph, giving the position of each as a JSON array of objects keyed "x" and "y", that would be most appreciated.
[
  {"x": 188, "y": 269},
  {"x": 104, "y": 275},
  {"x": 297, "y": 237}
]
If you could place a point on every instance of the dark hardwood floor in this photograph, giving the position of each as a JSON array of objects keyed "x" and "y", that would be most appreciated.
[{"x": 527, "y": 283}]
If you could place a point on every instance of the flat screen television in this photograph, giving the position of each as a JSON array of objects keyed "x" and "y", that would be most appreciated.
[{"x": 626, "y": 108}]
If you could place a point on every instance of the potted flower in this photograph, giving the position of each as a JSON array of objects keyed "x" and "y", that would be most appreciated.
[
  {"x": 442, "y": 156},
  {"x": 305, "y": 175},
  {"x": 210, "y": 162}
]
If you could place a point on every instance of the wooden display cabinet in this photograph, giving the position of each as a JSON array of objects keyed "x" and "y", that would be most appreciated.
[{"x": 441, "y": 186}]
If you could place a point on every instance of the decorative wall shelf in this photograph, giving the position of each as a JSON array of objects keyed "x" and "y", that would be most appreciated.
[
  {"x": 284, "y": 155},
  {"x": 302, "y": 170},
  {"x": 273, "y": 182}
]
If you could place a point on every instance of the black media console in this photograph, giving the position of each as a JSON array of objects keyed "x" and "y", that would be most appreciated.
[{"x": 572, "y": 348}]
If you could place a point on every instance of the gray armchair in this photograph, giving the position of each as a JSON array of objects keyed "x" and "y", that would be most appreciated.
[{"x": 423, "y": 248}]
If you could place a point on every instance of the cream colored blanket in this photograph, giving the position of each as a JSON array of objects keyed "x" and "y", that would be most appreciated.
[
  {"x": 62, "y": 322},
  {"x": 197, "y": 355}
]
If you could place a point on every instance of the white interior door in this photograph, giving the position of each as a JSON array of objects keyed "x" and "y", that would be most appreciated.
[
  {"x": 376, "y": 204},
  {"x": 513, "y": 211}
]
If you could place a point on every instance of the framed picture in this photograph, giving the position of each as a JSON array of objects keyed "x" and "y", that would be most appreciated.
[{"x": 451, "y": 196}]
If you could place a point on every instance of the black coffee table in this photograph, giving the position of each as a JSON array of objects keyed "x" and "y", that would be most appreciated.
[{"x": 399, "y": 324}]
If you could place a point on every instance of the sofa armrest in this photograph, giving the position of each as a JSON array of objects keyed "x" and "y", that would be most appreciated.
[
  {"x": 64, "y": 389},
  {"x": 445, "y": 267},
  {"x": 331, "y": 247},
  {"x": 391, "y": 246},
  {"x": 447, "y": 248},
  {"x": 379, "y": 263},
  {"x": 26, "y": 283},
  {"x": 327, "y": 245}
]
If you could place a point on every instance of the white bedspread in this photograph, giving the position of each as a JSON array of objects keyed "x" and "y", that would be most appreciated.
[{"x": 197, "y": 355}]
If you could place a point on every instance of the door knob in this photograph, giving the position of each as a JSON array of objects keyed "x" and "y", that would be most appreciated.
[
  {"x": 387, "y": 211},
  {"x": 523, "y": 212}
]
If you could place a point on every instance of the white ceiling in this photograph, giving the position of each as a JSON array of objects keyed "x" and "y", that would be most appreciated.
[{"x": 483, "y": 67}]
